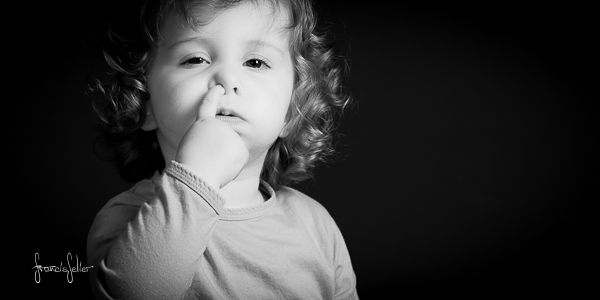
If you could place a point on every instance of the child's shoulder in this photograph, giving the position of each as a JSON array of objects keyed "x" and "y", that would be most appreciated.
[
  {"x": 288, "y": 194},
  {"x": 303, "y": 204}
]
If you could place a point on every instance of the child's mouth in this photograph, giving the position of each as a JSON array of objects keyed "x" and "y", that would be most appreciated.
[
  {"x": 227, "y": 116},
  {"x": 225, "y": 113}
]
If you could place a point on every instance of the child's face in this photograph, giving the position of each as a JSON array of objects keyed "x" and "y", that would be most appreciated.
[{"x": 245, "y": 49}]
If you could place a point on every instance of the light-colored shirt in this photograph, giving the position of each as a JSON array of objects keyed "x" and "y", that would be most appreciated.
[{"x": 170, "y": 237}]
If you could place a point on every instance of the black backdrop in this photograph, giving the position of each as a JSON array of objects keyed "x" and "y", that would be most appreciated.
[{"x": 468, "y": 163}]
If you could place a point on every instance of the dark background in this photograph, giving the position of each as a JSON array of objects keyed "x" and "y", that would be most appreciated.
[{"x": 468, "y": 164}]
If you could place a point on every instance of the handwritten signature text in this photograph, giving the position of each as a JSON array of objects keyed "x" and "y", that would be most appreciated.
[{"x": 39, "y": 269}]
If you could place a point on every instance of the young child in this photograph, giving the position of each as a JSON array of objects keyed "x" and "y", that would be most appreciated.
[{"x": 222, "y": 105}]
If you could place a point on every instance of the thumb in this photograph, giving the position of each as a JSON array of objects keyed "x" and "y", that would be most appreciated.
[{"x": 209, "y": 104}]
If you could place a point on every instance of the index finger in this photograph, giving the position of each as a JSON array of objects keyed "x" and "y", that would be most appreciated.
[{"x": 209, "y": 104}]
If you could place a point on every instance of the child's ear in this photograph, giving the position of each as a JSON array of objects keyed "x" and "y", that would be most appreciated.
[{"x": 150, "y": 122}]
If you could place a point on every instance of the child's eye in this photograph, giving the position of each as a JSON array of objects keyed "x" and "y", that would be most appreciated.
[
  {"x": 256, "y": 64},
  {"x": 197, "y": 60}
]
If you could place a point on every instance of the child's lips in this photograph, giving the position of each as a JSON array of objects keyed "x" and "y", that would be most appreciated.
[
  {"x": 228, "y": 115},
  {"x": 232, "y": 119}
]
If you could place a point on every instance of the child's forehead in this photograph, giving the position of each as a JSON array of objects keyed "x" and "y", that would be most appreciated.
[{"x": 274, "y": 17}]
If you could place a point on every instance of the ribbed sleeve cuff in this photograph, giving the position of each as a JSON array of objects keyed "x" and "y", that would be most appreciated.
[{"x": 208, "y": 193}]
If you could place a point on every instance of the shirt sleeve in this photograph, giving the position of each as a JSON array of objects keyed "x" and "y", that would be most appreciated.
[
  {"x": 146, "y": 245},
  {"x": 345, "y": 278}
]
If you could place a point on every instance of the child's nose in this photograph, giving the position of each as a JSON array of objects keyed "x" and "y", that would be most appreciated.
[{"x": 227, "y": 76}]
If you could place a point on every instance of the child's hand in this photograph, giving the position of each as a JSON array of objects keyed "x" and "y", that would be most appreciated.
[{"x": 210, "y": 147}]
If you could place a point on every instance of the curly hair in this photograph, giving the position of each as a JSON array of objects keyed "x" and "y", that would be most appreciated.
[{"x": 317, "y": 101}]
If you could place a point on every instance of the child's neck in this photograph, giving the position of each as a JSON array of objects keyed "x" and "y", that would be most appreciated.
[{"x": 244, "y": 191}]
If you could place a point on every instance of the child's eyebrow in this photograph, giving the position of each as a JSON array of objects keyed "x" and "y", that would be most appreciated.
[
  {"x": 261, "y": 43},
  {"x": 251, "y": 43},
  {"x": 199, "y": 39}
]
